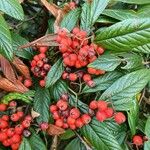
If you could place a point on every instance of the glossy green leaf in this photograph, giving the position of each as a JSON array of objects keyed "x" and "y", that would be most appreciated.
[
  {"x": 107, "y": 62},
  {"x": 125, "y": 35},
  {"x": 67, "y": 135},
  {"x": 135, "y": 1},
  {"x": 102, "y": 82},
  {"x": 12, "y": 8},
  {"x": 100, "y": 136},
  {"x": 147, "y": 132},
  {"x": 145, "y": 48},
  {"x": 55, "y": 73},
  {"x": 5, "y": 39},
  {"x": 17, "y": 41},
  {"x": 70, "y": 20},
  {"x": 25, "y": 145},
  {"x": 106, "y": 20},
  {"x": 41, "y": 104}
]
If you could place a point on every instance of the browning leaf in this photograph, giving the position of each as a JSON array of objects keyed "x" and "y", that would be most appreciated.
[
  {"x": 54, "y": 130},
  {"x": 21, "y": 67},
  {"x": 7, "y": 69}
]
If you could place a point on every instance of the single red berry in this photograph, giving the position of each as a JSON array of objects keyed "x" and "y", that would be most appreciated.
[
  {"x": 100, "y": 50},
  {"x": 12, "y": 104},
  {"x": 86, "y": 77},
  {"x": 72, "y": 126},
  {"x": 101, "y": 116},
  {"x": 19, "y": 129},
  {"x": 56, "y": 115},
  {"x": 16, "y": 138},
  {"x": 70, "y": 120},
  {"x": 65, "y": 75},
  {"x": 137, "y": 140},
  {"x": 5, "y": 117},
  {"x": 43, "y": 49},
  {"x": 109, "y": 112},
  {"x": 53, "y": 108},
  {"x": 20, "y": 114},
  {"x": 20, "y": 78},
  {"x": 91, "y": 70},
  {"x": 10, "y": 132},
  {"x": 46, "y": 67},
  {"x": 102, "y": 105},
  {"x": 15, "y": 146},
  {"x": 74, "y": 113},
  {"x": 3, "y": 107},
  {"x": 28, "y": 117},
  {"x": 14, "y": 117},
  {"x": 62, "y": 104},
  {"x": 120, "y": 118},
  {"x": 73, "y": 77},
  {"x": 6, "y": 143},
  {"x": 72, "y": 5},
  {"x": 42, "y": 56},
  {"x": 3, "y": 136},
  {"x": 62, "y": 33},
  {"x": 3, "y": 124},
  {"x": 59, "y": 123},
  {"x": 40, "y": 63},
  {"x": 33, "y": 63},
  {"x": 93, "y": 105},
  {"x": 86, "y": 119},
  {"x": 65, "y": 126},
  {"x": 26, "y": 123},
  {"x": 42, "y": 83},
  {"x": 79, "y": 123},
  {"x": 36, "y": 58},
  {"x": 27, "y": 83},
  {"x": 66, "y": 61},
  {"x": 76, "y": 30},
  {"x": 91, "y": 83},
  {"x": 44, "y": 126}
]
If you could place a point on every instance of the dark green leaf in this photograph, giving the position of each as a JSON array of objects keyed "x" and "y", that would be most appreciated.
[
  {"x": 100, "y": 136},
  {"x": 125, "y": 35},
  {"x": 106, "y": 20},
  {"x": 107, "y": 62},
  {"x": 102, "y": 82},
  {"x": 41, "y": 104},
  {"x": 67, "y": 135},
  {"x": 70, "y": 20},
  {"x": 135, "y": 1},
  {"x": 18, "y": 41},
  {"x": 5, "y": 39},
  {"x": 25, "y": 145},
  {"x": 147, "y": 132},
  {"x": 55, "y": 73},
  {"x": 12, "y": 8}
]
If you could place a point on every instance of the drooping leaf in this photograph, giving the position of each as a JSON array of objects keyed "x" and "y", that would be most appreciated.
[
  {"x": 107, "y": 62},
  {"x": 102, "y": 82},
  {"x": 147, "y": 132},
  {"x": 12, "y": 8},
  {"x": 55, "y": 130},
  {"x": 135, "y": 1},
  {"x": 5, "y": 39},
  {"x": 125, "y": 35},
  {"x": 55, "y": 73},
  {"x": 70, "y": 20},
  {"x": 25, "y": 145},
  {"x": 41, "y": 104},
  {"x": 100, "y": 136}
]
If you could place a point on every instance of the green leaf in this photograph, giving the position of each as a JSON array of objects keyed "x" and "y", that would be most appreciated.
[
  {"x": 106, "y": 20},
  {"x": 145, "y": 48},
  {"x": 18, "y": 41},
  {"x": 41, "y": 104},
  {"x": 147, "y": 132},
  {"x": 12, "y": 8},
  {"x": 102, "y": 82},
  {"x": 127, "y": 86},
  {"x": 5, "y": 39},
  {"x": 125, "y": 35},
  {"x": 107, "y": 62},
  {"x": 91, "y": 12},
  {"x": 70, "y": 20},
  {"x": 135, "y": 1},
  {"x": 100, "y": 136},
  {"x": 67, "y": 135},
  {"x": 55, "y": 73},
  {"x": 25, "y": 145},
  {"x": 133, "y": 116}
]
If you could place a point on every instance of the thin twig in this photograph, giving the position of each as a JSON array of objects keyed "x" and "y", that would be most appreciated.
[{"x": 54, "y": 143}]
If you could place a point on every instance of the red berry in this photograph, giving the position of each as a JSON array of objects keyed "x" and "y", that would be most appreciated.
[
  {"x": 3, "y": 107},
  {"x": 12, "y": 104},
  {"x": 72, "y": 5},
  {"x": 65, "y": 75},
  {"x": 137, "y": 140},
  {"x": 26, "y": 123},
  {"x": 56, "y": 115},
  {"x": 42, "y": 56},
  {"x": 86, "y": 119},
  {"x": 86, "y": 77},
  {"x": 120, "y": 118},
  {"x": 42, "y": 83},
  {"x": 102, "y": 105},
  {"x": 74, "y": 113},
  {"x": 20, "y": 114},
  {"x": 91, "y": 70},
  {"x": 3, "y": 136},
  {"x": 73, "y": 77},
  {"x": 36, "y": 58},
  {"x": 40, "y": 63},
  {"x": 62, "y": 33},
  {"x": 62, "y": 105},
  {"x": 43, "y": 49},
  {"x": 20, "y": 78},
  {"x": 101, "y": 116},
  {"x": 72, "y": 126},
  {"x": 100, "y": 50},
  {"x": 65, "y": 126},
  {"x": 28, "y": 117},
  {"x": 27, "y": 83},
  {"x": 15, "y": 146},
  {"x": 44, "y": 126},
  {"x": 109, "y": 112},
  {"x": 91, "y": 83},
  {"x": 46, "y": 67},
  {"x": 6, "y": 143},
  {"x": 70, "y": 120},
  {"x": 3, "y": 124},
  {"x": 65, "y": 113},
  {"x": 14, "y": 117},
  {"x": 59, "y": 122},
  {"x": 10, "y": 132},
  {"x": 33, "y": 63},
  {"x": 53, "y": 108},
  {"x": 93, "y": 105},
  {"x": 19, "y": 129},
  {"x": 76, "y": 30},
  {"x": 64, "y": 96},
  {"x": 5, "y": 117},
  {"x": 79, "y": 123},
  {"x": 16, "y": 138}
]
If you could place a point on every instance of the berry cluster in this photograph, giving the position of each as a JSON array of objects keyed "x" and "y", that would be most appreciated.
[
  {"x": 78, "y": 53},
  {"x": 12, "y": 127},
  {"x": 40, "y": 66},
  {"x": 104, "y": 112},
  {"x": 66, "y": 117}
]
